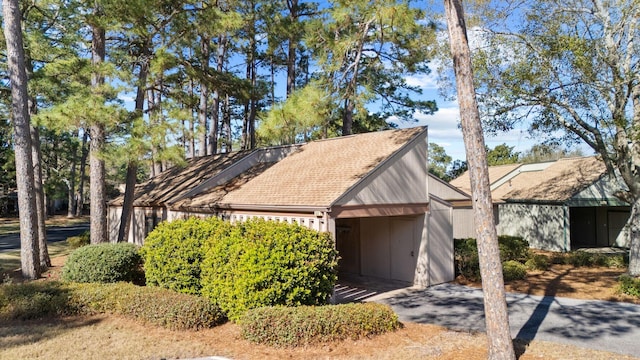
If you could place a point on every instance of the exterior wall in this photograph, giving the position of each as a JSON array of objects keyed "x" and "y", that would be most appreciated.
[
  {"x": 402, "y": 179},
  {"x": 543, "y": 226},
  {"x": 440, "y": 245},
  {"x": 444, "y": 190},
  {"x": 463, "y": 224},
  {"x": 114, "y": 213}
]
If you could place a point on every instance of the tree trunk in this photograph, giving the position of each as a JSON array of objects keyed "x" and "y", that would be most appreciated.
[
  {"x": 495, "y": 305},
  {"x": 132, "y": 165},
  {"x": 83, "y": 170},
  {"x": 41, "y": 210},
  {"x": 127, "y": 206},
  {"x": 71, "y": 198},
  {"x": 97, "y": 175},
  {"x": 204, "y": 99},
  {"x": 215, "y": 111},
  {"x": 634, "y": 238},
  {"x": 29, "y": 251}
]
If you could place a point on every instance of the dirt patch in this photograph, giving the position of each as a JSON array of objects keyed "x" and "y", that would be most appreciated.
[{"x": 590, "y": 283}]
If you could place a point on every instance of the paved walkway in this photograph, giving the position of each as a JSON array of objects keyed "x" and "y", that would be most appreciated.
[{"x": 599, "y": 325}]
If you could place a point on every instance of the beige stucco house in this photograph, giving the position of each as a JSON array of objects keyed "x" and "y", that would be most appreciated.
[
  {"x": 558, "y": 205},
  {"x": 369, "y": 191}
]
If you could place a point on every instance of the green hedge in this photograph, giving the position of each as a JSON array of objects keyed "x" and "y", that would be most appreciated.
[
  {"x": 629, "y": 285},
  {"x": 155, "y": 306},
  {"x": 295, "y": 326},
  {"x": 537, "y": 262},
  {"x": 467, "y": 264},
  {"x": 513, "y": 270},
  {"x": 33, "y": 300},
  {"x": 103, "y": 263},
  {"x": 173, "y": 254},
  {"x": 81, "y": 240},
  {"x": 262, "y": 263}
]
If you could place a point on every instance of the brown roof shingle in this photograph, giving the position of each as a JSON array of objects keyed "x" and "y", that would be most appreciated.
[
  {"x": 463, "y": 182},
  {"x": 556, "y": 183},
  {"x": 178, "y": 180},
  {"x": 319, "y": 172}
]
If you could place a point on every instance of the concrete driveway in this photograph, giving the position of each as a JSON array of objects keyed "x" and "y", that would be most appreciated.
[{"x": 599, "y": 325}]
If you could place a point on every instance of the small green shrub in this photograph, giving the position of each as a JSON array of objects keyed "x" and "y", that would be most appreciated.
[
  {"x": 262, "y": 263},
  {"x": 466, "y": 259},
  {"x": 537, "y": 262},
  {"x": 629, "y": 285},
  {"x": 467, "y": 262},
  {"x": 581, "y": 258},
  {"x": 513, "y": 270},
  {"x": 173, "y": 253},
  {"x": 513, "y": 248},
  {"x": 617, "y": 260},
  {"x": 559, "y": 258},
  {"x": 296, "y": 326},
  {"x": 103, "y": 263},
  {"x": 80, "y": 240},
  {"x": 32, "y": 300},
  {"x": 151, "y": 305}
]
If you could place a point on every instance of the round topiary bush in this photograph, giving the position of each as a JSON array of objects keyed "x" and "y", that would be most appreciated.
[
  {"x": 103, "y": 263},
  {"x": 172, "y": 252},
  {"x": 262, "y": 263},
  {"x": 513, "y": 270}
]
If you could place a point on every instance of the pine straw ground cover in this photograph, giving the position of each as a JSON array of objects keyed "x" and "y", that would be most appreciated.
[{"x": 114, "y": 337}]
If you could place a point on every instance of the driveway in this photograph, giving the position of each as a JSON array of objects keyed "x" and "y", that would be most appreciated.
[
  {"x": 54, "y": 234},
  {"x": 599, "y": 325}
]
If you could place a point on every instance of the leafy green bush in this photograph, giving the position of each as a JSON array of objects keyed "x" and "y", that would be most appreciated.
[
  {"x": 629, "y": 285},
  {"x": 80, "y": 240},
  {"x": 103, "y": 263},
  {"x": 295, "y": 326},
  {"x": 173, "y": 254},
  {"x": 581, "y": 258},
  {"x": 32, "y": 300},
  {"x": 466, "y": 254},
  {"x": 617, "y": 260},
  {"x": 262, "y": 263},
  {"x": 513, "y": 248},
  {"x": 466, "y": 259},
  {"x": 513, "y": 270},
  {"x": 537, "y": 262},
  {"x": 155, "y": 306}
]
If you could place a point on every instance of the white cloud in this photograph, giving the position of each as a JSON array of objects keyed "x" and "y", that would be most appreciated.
[{"x": 423, "y": 81}]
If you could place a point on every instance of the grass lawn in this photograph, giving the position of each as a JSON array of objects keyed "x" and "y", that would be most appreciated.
[{"x": 10, "y": 260}]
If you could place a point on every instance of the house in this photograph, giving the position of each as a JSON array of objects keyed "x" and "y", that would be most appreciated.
[
  {"x": 558, "y": 205},
  {"x": 369, "y": 191}
]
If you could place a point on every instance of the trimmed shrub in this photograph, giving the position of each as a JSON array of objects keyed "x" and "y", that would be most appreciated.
[
  {"x": 513, "y": 270},
  {"x": 513, "y": 248},
  {"x": 537, "y": 262},
  {"x": 173, "y": 254},
  {"x": 295, "y": 326},
  {"x": 466, "y": 254},
  {"x": 262, "y": 263},
  {"x": 155, "y": 306},
  {"x": 103, "y": 263},
  {"x": 629, "y": 285},
  {"x": 580, "y": 258},
  {"x": 617, "y": 260},
  {"x": 80, "y": 240},
  {"x": 32, "y": 300}
]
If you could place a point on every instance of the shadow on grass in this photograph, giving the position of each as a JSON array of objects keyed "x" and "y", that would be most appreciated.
[{"x": 16, "y": 333}]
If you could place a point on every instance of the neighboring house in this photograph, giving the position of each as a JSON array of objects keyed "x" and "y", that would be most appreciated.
[
  {"x": 369, "y": 191},
  {"x": 559, "y": 205}
]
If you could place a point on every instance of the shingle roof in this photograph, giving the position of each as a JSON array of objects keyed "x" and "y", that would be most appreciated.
[
  {"x": 178, "y": 180},
  {"x": 319, "y": 172},
  {"x": 557, "y": 183},
  {"x": 463, "y": 182}
]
